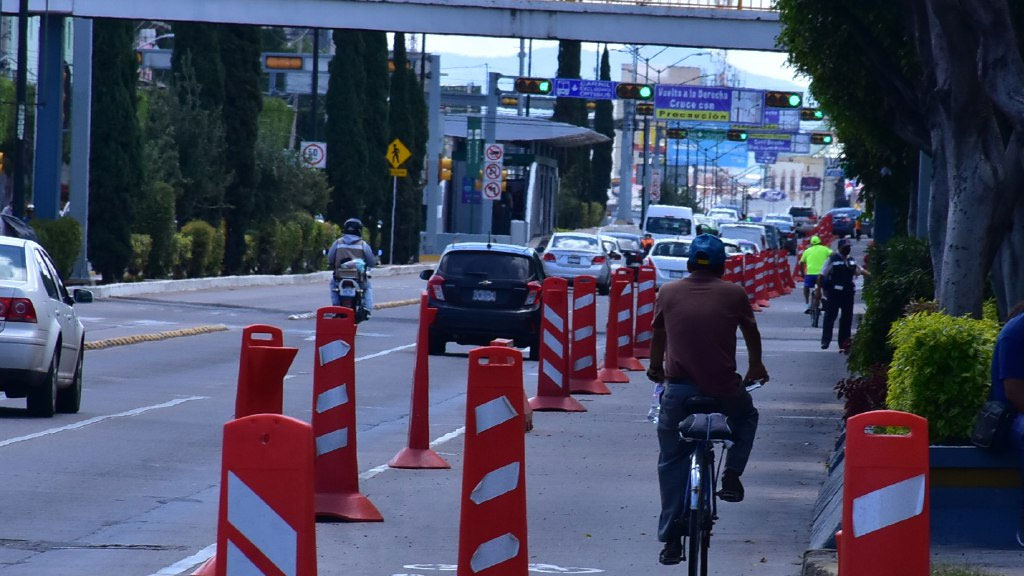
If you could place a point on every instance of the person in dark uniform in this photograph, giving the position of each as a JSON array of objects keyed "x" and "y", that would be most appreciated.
[{"x": 836, "y": 279}]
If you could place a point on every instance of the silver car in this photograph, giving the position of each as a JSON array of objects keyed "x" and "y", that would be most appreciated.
[
  {"x": 571, "y": 254},
  {"x": 41, "y": 338}
]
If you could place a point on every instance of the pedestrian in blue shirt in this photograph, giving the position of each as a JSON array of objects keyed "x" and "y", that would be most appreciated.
[{"x": 1008, "y": 386}]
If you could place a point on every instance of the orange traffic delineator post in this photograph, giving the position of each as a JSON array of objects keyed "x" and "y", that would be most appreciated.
[
  {"x": 622, "y": 283},
  {"x": 334, "y": 419},
  {"x": 583, "y": 378},
  {"x": 262, "y": 366},
  {"x": 885, "y": 526},
  {"x": 750, "y": 279},
  {"x": 734, "y": 269},
  {"x": 492, "y": 525},
  {"x": 553, "y": 372},
  {"x": 266, "y": 523},
  {"x": 761, "y": 286},
  {"x": 527, "y": 411},
  {"x": 418, "y": 454},
  {"x": 610, "y": 371},
  {"x": 782, "y": 270},
  {"x": 645, "y": 295},
  {"x": 772, "y": 289}
]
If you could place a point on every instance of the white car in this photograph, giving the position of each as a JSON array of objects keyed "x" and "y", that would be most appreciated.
[
  {"x": 42, "y": 341},
  {"x": 724, "y": 215},
  {"x": 669, "y": 257}
]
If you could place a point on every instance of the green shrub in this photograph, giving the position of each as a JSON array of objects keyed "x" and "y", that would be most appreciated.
[
  {"x": 901, "y": 272},
  {"x": 181, "y": 255},
  {"x": 215, "y": 258},
  {"x": 287, "y": 247},
  {"x": 155, "y": 218},
  {"x": 989, "y": 310},
  {"x": 202, "y": 235},
  {"x": 307, "y": 229},
  {"x": 142, "y": 246},
  {"x": 62, "y": 239},
  {"x": 940, "y": 371}
]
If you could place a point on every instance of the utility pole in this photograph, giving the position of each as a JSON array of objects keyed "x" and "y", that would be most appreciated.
[
  {"x": 20, "y": 97},
  {"x": 316, "y": 85},
  {"x": 645, "y": 189},
  {"x": 626, "y": 158}
]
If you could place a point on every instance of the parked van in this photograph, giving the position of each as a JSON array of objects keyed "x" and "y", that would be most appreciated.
[
  {"x": 753, "y": 232},
  {"x": 668, "y": 221}
]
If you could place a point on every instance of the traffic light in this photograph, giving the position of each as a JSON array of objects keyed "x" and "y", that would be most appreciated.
[
  {"x": 626, "y": 91},
  {"x": 525, "y": 85},
  {"x": 736, "y": 135},
  {"x": 645, "y": 109},
  {"x": 773, "y": 99},
  {"x": 811, "y": 114},
  {"x": 591, "y": 105},
  {"x": 445, "y": 169},
  {"x": 511, "y": 101},
  {"x": 821, "y": 138},
  {"x": 676, "y": 133}
]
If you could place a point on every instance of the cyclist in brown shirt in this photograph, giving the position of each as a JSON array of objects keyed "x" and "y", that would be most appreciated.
[{"x": 694, "y": 352}]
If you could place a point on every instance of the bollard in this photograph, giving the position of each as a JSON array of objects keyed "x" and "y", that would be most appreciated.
[
  {"x": 623, "y": 284},
  {"x": 553, "y": 372},
  {"x": 262, "y": 366},
  {"x": 583, "y": 378},
  {"x": 645, "y": 295}
]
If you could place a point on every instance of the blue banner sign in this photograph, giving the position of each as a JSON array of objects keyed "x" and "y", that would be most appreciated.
[
  {"x": 587, "y": 89},
  {"x": 709, "y": 104}
]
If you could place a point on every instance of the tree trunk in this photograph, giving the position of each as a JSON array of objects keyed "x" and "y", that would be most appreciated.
[
  {"x": 938, "y": 207},
  {"x": 1007, "y": 270}
]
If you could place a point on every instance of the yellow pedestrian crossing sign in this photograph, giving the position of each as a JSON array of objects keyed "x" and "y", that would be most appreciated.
[{"x": 397, "y": 153}]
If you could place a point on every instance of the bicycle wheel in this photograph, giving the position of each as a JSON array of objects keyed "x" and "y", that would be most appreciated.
[
  {"x": 697, "y": 550},
  {"x": 815, "y": 315}
]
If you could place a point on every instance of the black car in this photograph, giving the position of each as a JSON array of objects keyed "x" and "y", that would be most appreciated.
[
  {"x": 630, "y": 248},
  {"x": 842, "y": 221},
  {"x": 485, "y": 291}
]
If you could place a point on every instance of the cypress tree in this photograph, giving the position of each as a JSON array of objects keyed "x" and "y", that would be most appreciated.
[
  {"x": 375, "y": 124},
  {"x": 197, "y": 52},
  {"x": 116, "y": 162},
  {"x": 403, "y": 123},
  {"x": 574, "y": 164},
  {"x": 601, "y": 162},
  {"x": 345, "y": 134},
  {"x": 240, "y": 54}
]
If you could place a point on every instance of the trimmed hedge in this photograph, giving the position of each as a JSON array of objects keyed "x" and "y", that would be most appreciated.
[{"x": 62, "y": 240}]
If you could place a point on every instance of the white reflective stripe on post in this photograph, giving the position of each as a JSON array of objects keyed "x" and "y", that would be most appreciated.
[
  {"x": 643, "y": 337},
  {"x": 623, "y": 315},
  {"x": 240, "y": 565},
  {"x": 583, "y": 333},
  {"x": 333, "y": 351},
  {"x": 628, "y": 289},
  {"x": 583, "y": 301},
  {"x": 331, "y": 441},
  {"x": 495, "y": 483},
  {"x": 646, "y": 285},
  {"x": 262, "y": 526},
  {"x": 552, "y": 372},
  {"x": 551, "y": 341},
  {"x": 645, "y": 309},
  {"x": 887, "y": 506},
  {"x": 494, "y": 552},
  {"x": 585, "y": 362},
  {"x": 493, "y": 413},
  {"x": 554, "y": 318},
  {"x": 623, "y": 340},
  {"x": 332, "y": 398}
]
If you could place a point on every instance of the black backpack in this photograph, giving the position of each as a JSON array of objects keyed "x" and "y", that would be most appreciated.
[{"x": 840, "y": 277}]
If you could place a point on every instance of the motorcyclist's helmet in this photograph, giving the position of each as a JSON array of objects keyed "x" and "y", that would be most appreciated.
[{"x": 353, "y": 226}]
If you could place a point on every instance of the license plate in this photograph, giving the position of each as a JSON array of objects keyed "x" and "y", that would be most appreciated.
[
  {"x": 676, "y": 274},
  {"x": 574, "y": 259},
  {"x": 349, "y": 292},
  {"x": 484, "y": 295}
]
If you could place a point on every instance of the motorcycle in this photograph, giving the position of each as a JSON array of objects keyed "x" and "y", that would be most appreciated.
[{"x": 352, "y": 277}]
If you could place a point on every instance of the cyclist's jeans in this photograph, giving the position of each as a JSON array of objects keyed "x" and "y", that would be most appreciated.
[
  {"x": 1017, "y": 436},
  {"x": 838, "y": 302},
  {"x": 674, "y": 458}
]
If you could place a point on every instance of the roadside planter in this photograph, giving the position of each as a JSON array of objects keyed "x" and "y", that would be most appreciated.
[{"x": 975, "y": 497}]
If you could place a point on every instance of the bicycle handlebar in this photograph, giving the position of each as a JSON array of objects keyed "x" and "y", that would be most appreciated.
[{"x": 754, "y": 384}]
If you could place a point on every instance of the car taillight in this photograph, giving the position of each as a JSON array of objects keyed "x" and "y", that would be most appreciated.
[
  {"x": 549, "y": 257},
  {"x": 534, "y": 295},
  {"x": 598, "y": 260},
  {"x": 17, "y": 310},
  {"x": 434, "y": 287}
]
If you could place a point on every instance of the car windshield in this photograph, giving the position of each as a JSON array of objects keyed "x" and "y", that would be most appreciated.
[
  {"x": 673, "y": 249},
  {"x": 722, "y": 212},
  {"x": 575, "y": 243},
  {"x": 802, "y": 212},
  {"x": 628, "y": 244},
  {"x": 668, "y": 226},
  {"x": 12, "y": 263},
  {"x": 489, "y": 265},
  {"x": 778, "y": 218}
]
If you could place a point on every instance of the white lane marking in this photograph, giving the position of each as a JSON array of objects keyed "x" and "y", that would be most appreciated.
[
  {"x": 385, "y": 352},
  {"x": 808, "y": 417},
  {"x": 98, "y": 419},
  {"x": 186, "y": 563}
]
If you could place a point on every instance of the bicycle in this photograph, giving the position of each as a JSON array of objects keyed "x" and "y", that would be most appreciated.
[
  {"x": 816, "y": 308},
  {"x": 705, "y": 428}
]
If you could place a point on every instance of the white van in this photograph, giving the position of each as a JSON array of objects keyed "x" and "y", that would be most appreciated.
[
  {"x": 668, "y": 221},
  {"x": 753, "y": 232}
]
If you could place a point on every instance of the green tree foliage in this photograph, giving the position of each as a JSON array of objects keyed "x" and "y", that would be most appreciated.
[
  {"x": 276, "y": 119},
  {"x": 197, "y": 55},
  {"x": 375, "y": 124},
  {"x": 116, "y": 162},
  {"x": 574, "y": 163},
  {"x": 62, "y": 239},
  {"x": 347, "y": 154},
  {"x": 285, "y": 186},
  {"x": 601, "y": 162},
  {"x": 154, "y": 210},
  {"x": 240, "y": 53},
  {"x": 406, "y": 121}
]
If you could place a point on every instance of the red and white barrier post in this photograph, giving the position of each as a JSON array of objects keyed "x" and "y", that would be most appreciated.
[
  {"x": 492, "y": 526},
  {"x": 761, "y": 286},
  {"x": 645, "y": 295},
  {"x": 266, "y": 523},
  {"x": 610, "y": 371},
  {"x": 885, "y": 526},
  {"x": 334, "y": 419},
  {"x": 527, "y": 411},
  {"x": 553, "y": 371},
  {"x": 622, "y": 284},
  {"x": 418, "y": 454},
  {"x": 262, "y": 366},
  {"x": 750, "y": 279},
  {"x": 583, "y": 378}
]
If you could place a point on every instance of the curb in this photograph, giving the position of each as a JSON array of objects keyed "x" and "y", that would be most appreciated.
[
  {"x": 820, "y": 562},
  {"x": 154, "y": 337},
  {"x": 381, "y": 306},
  {"x": 190, "y": 284}
]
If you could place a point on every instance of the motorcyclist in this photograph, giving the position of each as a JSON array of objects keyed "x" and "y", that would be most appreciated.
[{"x": 348, "y": 248}]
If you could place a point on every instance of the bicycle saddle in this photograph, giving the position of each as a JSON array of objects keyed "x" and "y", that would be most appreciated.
[{"x": 713, "y": 426}]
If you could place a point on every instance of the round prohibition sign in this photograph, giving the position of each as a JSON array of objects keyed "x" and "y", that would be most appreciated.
[
  {"x": 312, "y": 154},
  {"x": 492, "y": 171},
  {"x": 492, "y": 190},
  {"x": 494, "y": 152}
]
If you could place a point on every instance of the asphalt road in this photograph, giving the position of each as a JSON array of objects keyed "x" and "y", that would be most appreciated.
[{"x": 130, "y": 484}]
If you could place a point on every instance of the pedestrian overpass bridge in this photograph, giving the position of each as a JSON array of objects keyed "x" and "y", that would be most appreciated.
[{"x": 726, "y": 24}]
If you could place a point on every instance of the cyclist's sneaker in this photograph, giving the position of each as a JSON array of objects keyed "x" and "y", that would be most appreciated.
[
  {"x": 1020, "y": 534},
  {"x": 808, "y": 311},
  {"x": 672, "y": 553},
  {"x": 732, "y": 488}
]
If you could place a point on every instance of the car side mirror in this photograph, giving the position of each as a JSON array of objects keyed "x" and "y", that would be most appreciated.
[
  {"x": 616, "y": 255},
  {"x": 82, "y": 295},
  {"x": 426, "y": 274}
]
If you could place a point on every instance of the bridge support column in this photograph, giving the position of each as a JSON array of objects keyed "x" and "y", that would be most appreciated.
[
  {"x": 81, "y": 127},
  {"x": 49, "y": 118}
]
